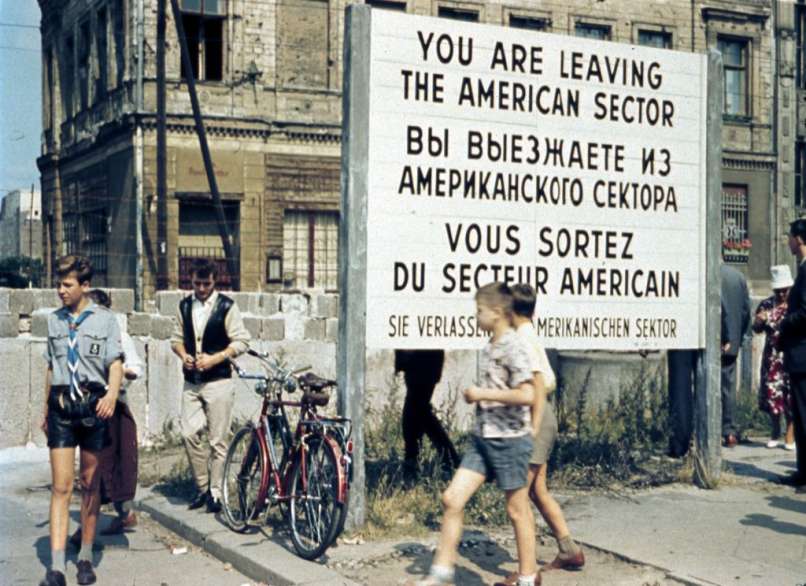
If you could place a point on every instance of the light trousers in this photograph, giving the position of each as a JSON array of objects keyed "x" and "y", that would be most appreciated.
[{"x": 207, "y": 406}]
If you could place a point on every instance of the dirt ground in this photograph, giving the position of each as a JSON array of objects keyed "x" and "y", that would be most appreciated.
[{"x": 484, "y": 558}]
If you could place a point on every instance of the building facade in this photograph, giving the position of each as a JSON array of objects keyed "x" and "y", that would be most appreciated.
[
  {"x": 270, "y": 75},
  {"x": 21, "y": 224}
]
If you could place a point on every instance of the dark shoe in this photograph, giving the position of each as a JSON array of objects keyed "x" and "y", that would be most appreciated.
[
  {"x": 512, "y": 580},
  {"x": 86, "y": 575},
  {"x": 53, "y": 578},
  {"x": 730, "y": 441},
  {"x": 213, "y": 505},
  {"x": 567, "y": 562},
  {"x": 75, "y": 538},
  {"x": 198, "y": 501},
  {"x": 795, "y": 479},
  {"x": 121, "y": 524}
]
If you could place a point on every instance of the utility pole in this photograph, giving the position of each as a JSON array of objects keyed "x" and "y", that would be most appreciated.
[
  {"x": 229, "y": 249},
  {"x": 31, "y": 240},
  {"x": 162, "y": 191}
]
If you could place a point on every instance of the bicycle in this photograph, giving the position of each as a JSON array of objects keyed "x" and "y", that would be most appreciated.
[{"x": 307, "y": 472}]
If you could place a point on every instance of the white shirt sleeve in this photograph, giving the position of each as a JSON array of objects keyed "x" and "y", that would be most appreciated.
[{"x": 132, "y": 360}]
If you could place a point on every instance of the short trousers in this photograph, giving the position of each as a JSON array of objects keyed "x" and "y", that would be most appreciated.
[
  {"x": 90, "y": 433},
  {"x": 505, "y": 460},
  {"x": 546, "y": 436}
]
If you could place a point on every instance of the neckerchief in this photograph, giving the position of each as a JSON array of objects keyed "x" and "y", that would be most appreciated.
[{"x": 72, "y": 352}]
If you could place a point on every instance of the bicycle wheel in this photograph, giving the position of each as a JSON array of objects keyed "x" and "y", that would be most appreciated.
[
  {"x": 341, "y": 517},
  {"x": 314, "y": 510},
  {"x": 243, "y": 471}
]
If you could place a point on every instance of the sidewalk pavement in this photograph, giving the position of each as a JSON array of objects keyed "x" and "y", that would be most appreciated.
[
  {"x": 749, "y": 531},
  {"x": 257, "y": 554}
]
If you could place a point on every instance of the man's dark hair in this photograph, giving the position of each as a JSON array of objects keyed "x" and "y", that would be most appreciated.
[
  {"x": 204, "y": 267},
  {"x": 80, "y": 265},
  {"x": 496, "y": 295},
  {"x": 100, "y": 297},
  {"x": 798, "y": 229},
  {"x": 523, "y": 300}
]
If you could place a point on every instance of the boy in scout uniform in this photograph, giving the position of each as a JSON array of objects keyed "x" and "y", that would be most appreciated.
[{"x": 85, "y": 370}]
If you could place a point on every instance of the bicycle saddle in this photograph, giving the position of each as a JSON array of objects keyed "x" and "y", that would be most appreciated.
[
  {"x": 310, "y": 381},
  {"x": 318, "y": 399}
]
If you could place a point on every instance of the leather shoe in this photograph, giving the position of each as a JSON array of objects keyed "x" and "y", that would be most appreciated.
[
  {"x": 512, "y": 580},
  {"x": 572, "y": 563},
  {"x": 730, "y": 441},
  {"x": 86, "y": 575},
  {"x": 53, "y": 578},
  {"x": 198, "y": 501},
  {"x": 213, "y": 504},
  {"x": 120, "y": 524},
  {"x": 795, "y": 479}
]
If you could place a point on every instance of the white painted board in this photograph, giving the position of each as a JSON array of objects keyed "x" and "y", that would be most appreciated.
[{"x": 577, "y": 166}]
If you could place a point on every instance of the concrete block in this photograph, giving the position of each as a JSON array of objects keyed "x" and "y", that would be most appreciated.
[
  {"x": 294, "y": 326},
  {"x": 5, "y": 298},
  {"x": 325, "y": 305},
  {"x": 39, "y": 323},
  {"x": 162, "y": 327},
  {"x": 294, "y": 303},
  {"x": 168, "y": 301},
  {"x": 15, "y": 393},
  {"x": 247, "y": 302},
  {"x": 9, "y": 325},
  {"x": 320, "y": 356},
  {"x": 21, "y": 301},
  {"x": 36, "y": 377},
  {"x": 314, "y": 329},
  {"x": 253, "y": 326},
  {"x": 165, "y": 384},
  {"x": 332, "y": 329},
  {"x": 139, "y": 324},
  {"x": 269, "y": 303},
  {"x": 273, "y": 328},
  {"x": 25, "y": 325},
  {"x": 122, "y": 300},
  {"x": 46, "y": 298}
]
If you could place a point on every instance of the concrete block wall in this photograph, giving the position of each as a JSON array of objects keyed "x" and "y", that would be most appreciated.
[{"x": 299, "y": 328}]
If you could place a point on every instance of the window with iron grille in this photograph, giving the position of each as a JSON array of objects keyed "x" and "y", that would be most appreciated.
[
  {"x": 310, "y": 249},
  {"x": 736, "y": 242},
  {"x": 735, "y": 59},
  {"x": 601, "y": 32},
  {"x": 199, "y": 237},
  {"x": 94, "y": 228},
  {"x": 203, "y": 21},
  {"x": 800, "y": 174}
]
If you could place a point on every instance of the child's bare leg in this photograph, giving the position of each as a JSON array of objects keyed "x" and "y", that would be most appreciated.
[
  {"x": 523, "y": 521},
  {"x": 464, "y": 484},
  {"x": 571, "y": 556}
]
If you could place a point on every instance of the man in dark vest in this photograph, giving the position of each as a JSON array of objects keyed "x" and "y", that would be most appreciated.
[{"x": 209, "y": 332}]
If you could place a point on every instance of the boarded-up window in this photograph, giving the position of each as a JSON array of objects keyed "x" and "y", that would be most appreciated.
[
  {"x": 303, "y": 43},
  {"x": 310, "y": 249}
]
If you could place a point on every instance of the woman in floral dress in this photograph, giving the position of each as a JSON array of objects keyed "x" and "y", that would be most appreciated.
[{"x": 774, "y": 392}]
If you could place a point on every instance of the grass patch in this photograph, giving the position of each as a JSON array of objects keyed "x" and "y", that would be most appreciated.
[{"x": 620, "y": 444}]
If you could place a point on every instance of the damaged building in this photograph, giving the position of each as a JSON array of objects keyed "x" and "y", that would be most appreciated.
[{"x": 269, "y": 78}]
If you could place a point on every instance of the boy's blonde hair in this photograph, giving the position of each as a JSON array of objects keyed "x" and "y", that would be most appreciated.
[{"x": 497, "y": 295}]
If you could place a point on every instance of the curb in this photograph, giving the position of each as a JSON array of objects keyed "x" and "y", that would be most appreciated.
[{"x": 257, "y": 556}]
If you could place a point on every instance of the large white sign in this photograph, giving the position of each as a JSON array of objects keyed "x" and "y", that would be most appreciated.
[{"x": 573, "y": 165}]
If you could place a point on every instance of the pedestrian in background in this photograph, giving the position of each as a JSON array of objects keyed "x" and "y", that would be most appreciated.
[
  {"x": 774, "y": 393},
  {"x": 735, "y": 324},
  {"x": 422, "y": 370},
  {"x": 793, "y": 342}
]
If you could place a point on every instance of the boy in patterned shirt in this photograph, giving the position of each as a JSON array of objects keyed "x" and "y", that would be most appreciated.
[{"x": 500, "y": 445}]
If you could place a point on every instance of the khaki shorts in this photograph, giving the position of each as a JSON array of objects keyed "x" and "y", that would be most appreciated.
[{"x": 546, "y": 436}]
